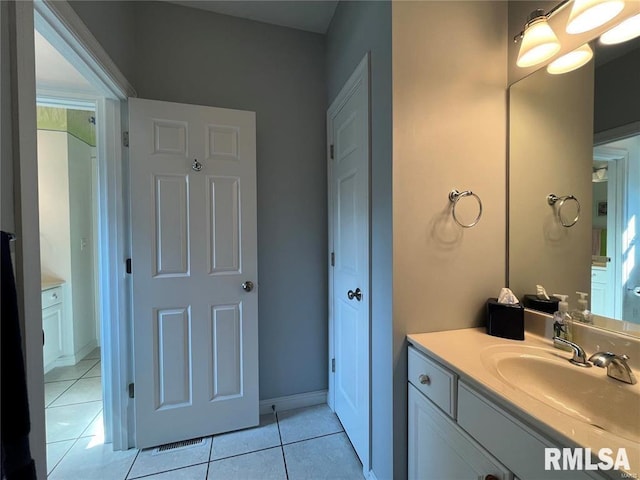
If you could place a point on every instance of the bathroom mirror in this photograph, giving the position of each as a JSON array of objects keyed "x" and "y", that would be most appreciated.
[{"x": 578, "y": 134}]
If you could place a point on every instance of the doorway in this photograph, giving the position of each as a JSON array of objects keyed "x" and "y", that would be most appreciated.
[
  {"x": 69, "y": 252},
  {"x": 349, "y": 272},
  {"x": 616, "y": 189},
  {"x": 62, "y": 27}
]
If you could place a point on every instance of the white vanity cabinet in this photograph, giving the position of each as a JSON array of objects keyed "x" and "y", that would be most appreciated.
[
  {"x": 52, "y": 326},
  {"x": 601, "y": 303},
  {"x": 456, "y": 432},
  {"x": 438, "y": 447}
]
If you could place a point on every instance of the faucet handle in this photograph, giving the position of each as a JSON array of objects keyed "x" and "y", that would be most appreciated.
[
  {"x": 616, "y": 365},
  {"x": 602, "y": 359}
]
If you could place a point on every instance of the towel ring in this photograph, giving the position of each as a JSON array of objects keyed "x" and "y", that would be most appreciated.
[
  {"x": 454, "y": 196},
  {"x": 553, "y": 199}
]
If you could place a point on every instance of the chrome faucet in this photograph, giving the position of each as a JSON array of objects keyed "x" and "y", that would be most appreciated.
[
  {"x": 579, "y": 357},
  {"x": 617, "y": 366}
]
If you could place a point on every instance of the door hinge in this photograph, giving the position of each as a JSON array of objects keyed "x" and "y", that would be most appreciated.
[
  {"x": 333, "y": 365},
  {"x": 333, "y": 259},
  {"x": 128, "y": 265},
  {"x": 125, "y": 139},
  {"x": 331, "y": 151},
  {"x": 131, "y": 390}
]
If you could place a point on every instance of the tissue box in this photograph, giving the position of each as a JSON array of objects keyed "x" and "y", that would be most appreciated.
[
  {"x": 506, "y": 321},
  {"x": 535, "y": 303}
]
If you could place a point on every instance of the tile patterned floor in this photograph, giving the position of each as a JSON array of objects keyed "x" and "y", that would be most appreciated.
[
  {"x": 73, "y": 406},
  {"x": 307, "y": 443}
]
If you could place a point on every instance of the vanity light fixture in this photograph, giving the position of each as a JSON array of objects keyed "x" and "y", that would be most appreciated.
[
  {"x": 571, "y": 61},
  {"x": 589, "y": 14},
  {"x": 627, "y": 30},
  {"x": 539, "y": 42}
]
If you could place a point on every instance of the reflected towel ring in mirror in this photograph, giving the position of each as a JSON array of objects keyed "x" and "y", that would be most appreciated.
[
  {"x": 553, "y": 199},
  {"x": 455, "y": 196}
]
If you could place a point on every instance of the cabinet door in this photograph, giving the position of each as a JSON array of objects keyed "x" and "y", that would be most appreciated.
[
  {"x": 52, "y": 327},
  {"x": 438, "y": 448}
]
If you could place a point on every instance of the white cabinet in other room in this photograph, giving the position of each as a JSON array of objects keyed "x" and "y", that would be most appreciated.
[{"x": 52, "y": 326}]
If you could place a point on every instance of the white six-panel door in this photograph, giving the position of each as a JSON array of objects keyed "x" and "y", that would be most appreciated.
[
  {"x": 193, "y": 217},
  {"x": 348, "y": 132}
]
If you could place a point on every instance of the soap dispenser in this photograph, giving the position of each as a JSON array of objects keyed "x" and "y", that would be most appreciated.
[
  {"x": 582, "y": 313},
  {"x": 562, "y": 322}
]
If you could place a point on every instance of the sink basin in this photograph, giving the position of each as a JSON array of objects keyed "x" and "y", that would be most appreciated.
[{"x": 586, "y": 394}]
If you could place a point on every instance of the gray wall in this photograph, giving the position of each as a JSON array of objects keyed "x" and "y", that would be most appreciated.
[
  {"x": 617, "y": 99},
  {"x": 356, "y": 28},
  {"x": 449, "y": 131},
  {"x": 192, "y": 56},
  {"x": 7, "y": 219},
  {"x": 112, "y": 23}
]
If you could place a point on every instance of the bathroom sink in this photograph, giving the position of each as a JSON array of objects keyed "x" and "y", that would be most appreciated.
[{"x": 586, "y": 394}]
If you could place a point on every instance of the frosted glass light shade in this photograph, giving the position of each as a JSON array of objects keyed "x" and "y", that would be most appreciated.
[
  {"x": 571, "y": 61},
  {"x": 626, "y": 30},
  {"x": 539, "y": 43},
  {"x": 589, "y": 14}
]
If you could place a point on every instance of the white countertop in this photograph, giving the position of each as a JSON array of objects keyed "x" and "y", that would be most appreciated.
[
  {"x": 48, "y": 282},
  {"x": 461, "y": 351}
]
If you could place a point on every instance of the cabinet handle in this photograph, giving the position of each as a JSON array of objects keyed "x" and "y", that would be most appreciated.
[
  {"x": 491, "y": 477},
  {"x": 424, "y": 379},
  {"x": 54, "y": 296}
]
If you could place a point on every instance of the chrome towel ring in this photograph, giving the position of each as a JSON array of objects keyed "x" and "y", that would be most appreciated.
[
  {"x": 553, "y": 199},
  {"x": 455, "y": 196}
]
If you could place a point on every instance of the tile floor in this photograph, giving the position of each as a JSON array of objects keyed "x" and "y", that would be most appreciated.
[
  {"x": 73, "y": 406},
  {"x": 307, "y": 443}
]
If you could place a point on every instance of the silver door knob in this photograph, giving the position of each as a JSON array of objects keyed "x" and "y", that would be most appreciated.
[
  {"x": 247, "y": 286},
  {"x": 357, "y": 294},
  {"x": 196, "y": 166}
]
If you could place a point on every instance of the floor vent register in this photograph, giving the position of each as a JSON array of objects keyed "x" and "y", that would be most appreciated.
[{"x": 172, "y": 447}]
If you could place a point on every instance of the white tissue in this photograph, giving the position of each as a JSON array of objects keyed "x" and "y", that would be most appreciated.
[
  {"x": 541, "y": 293},
  {"x": 506, "y": 296}
]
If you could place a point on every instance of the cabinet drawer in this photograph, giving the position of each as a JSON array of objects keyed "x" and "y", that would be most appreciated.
[
  {"x": 511, "y": 442},
  {"x": 433, "y": 380},
  {"x": 599, "y": 275},
  {"x": 52, "y": 296}
]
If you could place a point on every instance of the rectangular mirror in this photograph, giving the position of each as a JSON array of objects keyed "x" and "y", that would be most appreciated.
[{"x": 577, "y": 136}]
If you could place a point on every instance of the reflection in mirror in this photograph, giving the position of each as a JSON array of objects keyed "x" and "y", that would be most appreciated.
[{"x": 579, "y": 134}]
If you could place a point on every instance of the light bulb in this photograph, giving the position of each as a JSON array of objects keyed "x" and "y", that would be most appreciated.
[
  {"x": 589, "y": 14},
  {"x": 571, "y": 61},
  {"x": 626, "y": 30},
  {"x": 539, "y": 43}
]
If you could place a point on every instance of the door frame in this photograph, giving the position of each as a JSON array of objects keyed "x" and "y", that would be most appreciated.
[
  {"x": 57, "y": 21},
  {"x": 361, "y": 74}
]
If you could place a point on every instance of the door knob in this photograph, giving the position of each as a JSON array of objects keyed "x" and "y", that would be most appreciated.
[
  {"x": 635, "y": 290},
  {"x": 197, "y": 166},
  {"x": 357, "y": 294},
  {"x": 247, "y": 286}
]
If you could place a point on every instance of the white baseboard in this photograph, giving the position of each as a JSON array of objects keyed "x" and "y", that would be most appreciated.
[
  {"x": 84, "y": 351},
  {"x": 290, "y": 402},
  {"x": 70, "y": 360}
]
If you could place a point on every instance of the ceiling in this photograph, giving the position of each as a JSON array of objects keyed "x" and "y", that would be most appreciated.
[{"x": 309, "y": 15}]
